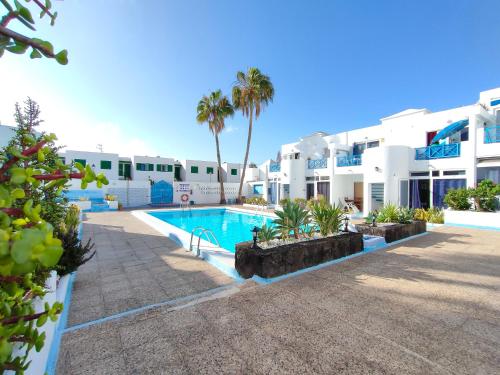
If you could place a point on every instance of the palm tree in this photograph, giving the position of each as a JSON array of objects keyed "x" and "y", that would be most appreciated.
[
  {"x": 251, "y": 92},
  {"x": 213, "y": 110}
]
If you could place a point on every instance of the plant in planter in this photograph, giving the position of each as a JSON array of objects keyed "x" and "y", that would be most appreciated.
[
  {"x": 284, "y": 201},
  {"x": 484, "y": 195},
  {"x": 405, "y": 215},
  {"x": 267, "y": 233},
  {"x": 327, "y": 217},
  {"x": 291, "y": 219},
  {"x": 28, "y": 246},
  {"x": 458, "y": 199},
  {"x": 432, "y": 215},
  {"x": 389, "y": 213}
]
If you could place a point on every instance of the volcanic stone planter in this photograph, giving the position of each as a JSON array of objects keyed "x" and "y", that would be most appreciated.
[
  {"x": 393, "y": 232},
  {"x": 289, "y": 258}
]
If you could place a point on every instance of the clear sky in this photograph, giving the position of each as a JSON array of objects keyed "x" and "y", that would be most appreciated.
[{"x": 138, "y": 68}]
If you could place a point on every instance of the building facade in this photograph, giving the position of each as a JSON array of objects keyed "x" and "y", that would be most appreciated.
[{"x": 403, "y": 159}]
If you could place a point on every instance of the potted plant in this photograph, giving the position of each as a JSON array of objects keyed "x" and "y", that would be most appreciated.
[{"x": 111, "y": 201}]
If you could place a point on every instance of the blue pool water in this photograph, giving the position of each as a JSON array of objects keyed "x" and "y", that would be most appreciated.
[{"x": 230, "y": 227}]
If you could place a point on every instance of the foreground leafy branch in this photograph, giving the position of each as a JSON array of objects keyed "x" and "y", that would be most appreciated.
[
  {"x": 27, "y": 242},
  {"x": 18, "y": 43}
]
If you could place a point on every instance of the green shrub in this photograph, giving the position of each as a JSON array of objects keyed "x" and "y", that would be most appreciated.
[
  {"x": 484, "y": 195},
  {"x": 74, "y": 254},
  {"x": 284, "y": 201},
  {"x": 458, "y": 199},
  {"x": 291, "y": 219},
  {"x": 389, "y": 213},
  {"x": 327, "y": 217},
  {"x": 256, "y": 200},
  {"x": 301, "y": 202},
  {"x": 267, "y": 233},
  {"x": 435, "y": 215},
  {"x": 405, "y": 215}
]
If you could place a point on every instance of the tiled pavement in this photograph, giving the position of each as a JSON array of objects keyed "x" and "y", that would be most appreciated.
[
  {"x": 428, "y": 306},
  {"x": 134, "y": 266}
]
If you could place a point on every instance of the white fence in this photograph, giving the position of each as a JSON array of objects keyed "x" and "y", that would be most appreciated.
[{"x": 204, "y": 192}]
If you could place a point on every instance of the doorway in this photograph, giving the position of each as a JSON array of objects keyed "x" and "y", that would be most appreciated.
[
  {"x": 420, "y": 193},
  {"x": 358, "y": 195},
  {"x": 324, "y": 190},
  {"x": 310, "y": 191}
]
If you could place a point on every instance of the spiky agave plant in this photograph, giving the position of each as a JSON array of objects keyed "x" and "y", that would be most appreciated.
[
  {"x": 291, "y": 219},
  {"x": 327, "y": 217},
  {"x": 267, "y": 233}
]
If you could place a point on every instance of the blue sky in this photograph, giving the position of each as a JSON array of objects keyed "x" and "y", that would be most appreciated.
[{"x": 138, "y": 68}]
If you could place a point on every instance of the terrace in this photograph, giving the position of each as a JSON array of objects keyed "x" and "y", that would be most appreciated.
[
  {"x": 150, "y": 307},
  {"x": 492, "y": 134},
  {"x": 438, "y": 152},
  {"x": 349, "y": 161}
]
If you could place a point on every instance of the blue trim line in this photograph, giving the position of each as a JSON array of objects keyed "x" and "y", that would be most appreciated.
[
  {"x": 148, "y": 307},
  {"x": 262, "y": 280},
  {"x": 483, "y": 227},
  {"x": 60, "y": 327}
]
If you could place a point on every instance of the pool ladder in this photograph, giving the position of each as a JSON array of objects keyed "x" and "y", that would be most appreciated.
[{"x": 203, "y": 231}]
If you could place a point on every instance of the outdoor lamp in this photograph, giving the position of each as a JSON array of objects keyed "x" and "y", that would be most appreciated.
[
  {"x": 373, "y": 221},
  {"x": 255, "y": 231},
  {"x": 346, "y": 224}
]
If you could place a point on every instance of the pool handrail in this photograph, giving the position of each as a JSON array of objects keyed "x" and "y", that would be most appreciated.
[{"x": 203, "y": 231}]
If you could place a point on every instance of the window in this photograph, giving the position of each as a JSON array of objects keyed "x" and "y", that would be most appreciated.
[
  {"x": 358, "y": 148},
  {"x": 194, "y": 169},
  {"x": 324, "y": 178},
  {"x": 435, "y": 173},
  {"x": 210, "y": 170},
  {"x": 453, "y": 173},
  {"x": 296, "y": 155},
  {"x": 258, "y": 189},
  {"x": 81, "y": 161},
  {"x": 144, "y": 167},
  {"x": 162, "y": 168},
  {"x": 234, "y": 172},
  {"x": 170, "y": 167},
  {"x": 419, "y": 174},
  {"x": 124, "y": 169},
  {"x": 105, "y": 164},
  {"x": 372, "y": 144}
]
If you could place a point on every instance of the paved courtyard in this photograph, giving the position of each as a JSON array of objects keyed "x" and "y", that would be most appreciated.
[{"x": 428, "y": 306}]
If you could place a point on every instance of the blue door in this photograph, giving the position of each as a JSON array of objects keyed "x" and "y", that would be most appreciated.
[{"x": 162, "y": 192}]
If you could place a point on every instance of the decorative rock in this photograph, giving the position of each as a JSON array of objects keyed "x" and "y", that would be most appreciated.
[
  {"x": 292, "y": 257},
  {"x": 393, "y": 232}
]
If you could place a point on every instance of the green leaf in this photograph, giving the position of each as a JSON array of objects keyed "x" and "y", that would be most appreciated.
[
  {"x": 18, "y": 48},
  {"x": 5, "y": 350},
  {"x": 47, "y": 45},
  {"x": 62, "y": 57},
  {"x": 35, "y": 54},
  {"x": 41, "y": 320},
  {"x": 25, "y": 13},
  {"x": 17, "y": 193},
  {"x": 21, "y": 251}
]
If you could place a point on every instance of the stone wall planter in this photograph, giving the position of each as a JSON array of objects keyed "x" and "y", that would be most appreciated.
[
  {"x": 393, "y": 232},
  {"x": 289, "y": 258},
  {"x": 472, "y": 218}
]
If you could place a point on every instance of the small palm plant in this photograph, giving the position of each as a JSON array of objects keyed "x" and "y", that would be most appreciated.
[
  {"x": 388, "y": 214},
  {"x": 292, "y": 219},
  {"x": 327, "y": 217},
  {"x": 267, "y": 233}
]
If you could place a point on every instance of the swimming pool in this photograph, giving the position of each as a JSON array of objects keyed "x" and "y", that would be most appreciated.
[{"x": 230, "y": 227}]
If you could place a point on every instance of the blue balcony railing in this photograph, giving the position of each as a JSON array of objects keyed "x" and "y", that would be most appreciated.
[
  {"x": 317, "y": 164},
  {"x": 438, "y": 152},
  {"x": 492, "y": 134},
  {"x": 348, "y": 161},
  {"x": 274, "y": 167}
]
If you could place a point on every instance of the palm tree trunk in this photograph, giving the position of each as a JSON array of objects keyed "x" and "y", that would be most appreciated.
[
  {"x": 221, "y": 177},
  {"x": 245, "y": 161}
]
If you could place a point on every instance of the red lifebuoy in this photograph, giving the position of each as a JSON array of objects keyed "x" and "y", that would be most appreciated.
[{"x": 184, "y": 197}]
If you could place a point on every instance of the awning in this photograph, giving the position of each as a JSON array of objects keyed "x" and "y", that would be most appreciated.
[{"x": 450, "y": 130}]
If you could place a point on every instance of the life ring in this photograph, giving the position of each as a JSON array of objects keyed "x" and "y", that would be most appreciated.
[{"x": 184, "y": 197}]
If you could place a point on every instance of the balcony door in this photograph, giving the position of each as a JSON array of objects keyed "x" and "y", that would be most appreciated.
[{"x": 430, "y": 136}]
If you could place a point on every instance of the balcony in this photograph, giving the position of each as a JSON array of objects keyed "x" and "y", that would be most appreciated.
[
  {"x": 438, "y": 152},
  {"x": 492, "y": 134},
  {"x": 275, "y": 167},
  {"x": 317, "y": 164},
  {"x": 348, "y": 161}
]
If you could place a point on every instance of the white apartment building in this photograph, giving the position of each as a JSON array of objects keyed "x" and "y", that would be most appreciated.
[{"x": 398, "y": 161}]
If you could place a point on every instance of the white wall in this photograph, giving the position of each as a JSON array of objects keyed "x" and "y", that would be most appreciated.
[
  {"x": 154, "y": 174},
  {"x": 228, "y": 177},
  {"x": 203, "y": 192},
  {"x": 94, "y": 160},
  {"x": 202, "y": 175}
]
